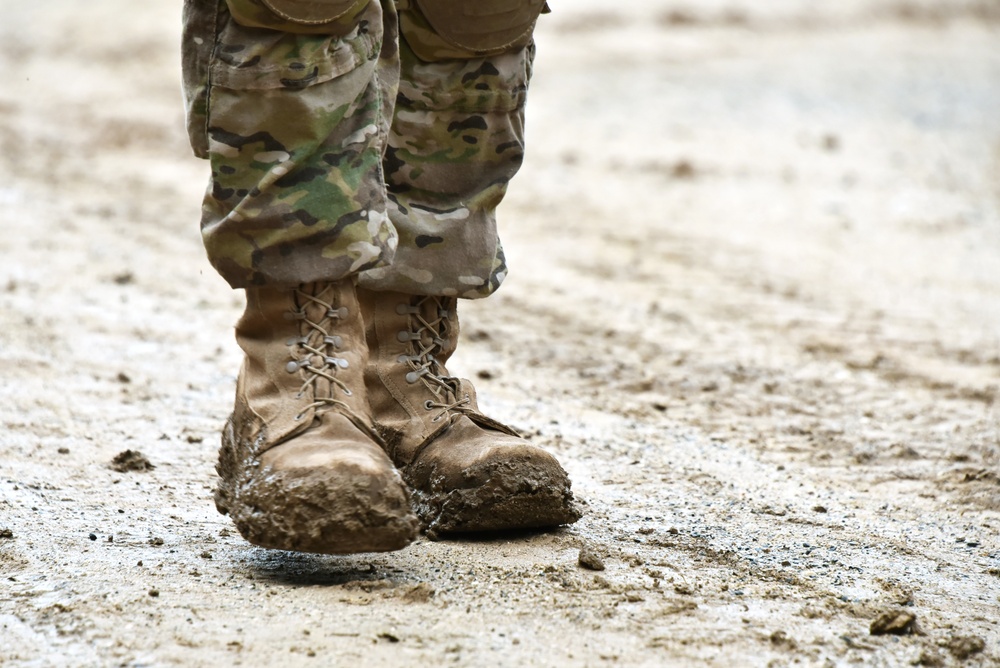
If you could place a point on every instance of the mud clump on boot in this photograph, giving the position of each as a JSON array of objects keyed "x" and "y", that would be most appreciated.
[
  {"x": 131, "y": 460},
  {"x": 510, "y": 492}
]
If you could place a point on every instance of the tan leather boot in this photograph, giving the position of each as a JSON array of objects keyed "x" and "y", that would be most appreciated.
[
  {"x": 300, "y": 466},
  {"x": 467, "y": 472}
]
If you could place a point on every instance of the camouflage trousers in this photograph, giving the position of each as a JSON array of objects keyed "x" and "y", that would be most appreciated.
[{"x": 368, "y": 138}]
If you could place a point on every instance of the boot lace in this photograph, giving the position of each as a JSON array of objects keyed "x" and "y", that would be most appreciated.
[
  {"x": 317, "y": 348},
  {"x": 427, "y": 335}
]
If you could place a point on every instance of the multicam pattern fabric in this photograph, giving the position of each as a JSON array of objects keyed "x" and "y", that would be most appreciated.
[{"x": 347, "y": 154}]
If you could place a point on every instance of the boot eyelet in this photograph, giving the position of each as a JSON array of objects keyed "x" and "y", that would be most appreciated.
[
  {"x": 428, "y": 405},
  {"x": 348, "y": 392},
  {"x": 299, "y": 395},
  {"x": 436, "y": 419},
  {"x": 299, "y": 417}
]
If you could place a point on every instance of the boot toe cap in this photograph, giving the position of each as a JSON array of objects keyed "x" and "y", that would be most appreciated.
[
  {"x": 320, "y": 493},
  {"x": 472, "y": 479}
]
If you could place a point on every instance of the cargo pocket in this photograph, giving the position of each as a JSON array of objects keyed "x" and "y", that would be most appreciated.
[
  {"x": 244, "y": 45},
  {"x": 296, "y": 132},
  {"x": 249, "y": 58},
  {"x": 266, "y": 78},
  {"x": 447, "y": 29}
]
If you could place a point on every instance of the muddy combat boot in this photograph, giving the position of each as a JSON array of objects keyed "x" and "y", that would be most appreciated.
[
  {"x": 300, "y": 466},
  {"x": 467, "y": 472}
]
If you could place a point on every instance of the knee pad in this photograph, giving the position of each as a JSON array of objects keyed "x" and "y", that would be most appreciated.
[
  {"x": 447, "y": 29},
  {"x": 311, "y": 17}
]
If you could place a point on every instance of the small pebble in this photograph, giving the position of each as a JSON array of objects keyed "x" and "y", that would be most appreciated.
[{"x": 589, "y": 559}]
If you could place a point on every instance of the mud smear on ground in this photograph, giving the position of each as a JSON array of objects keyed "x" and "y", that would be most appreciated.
[{"x": 752, "y": 307}]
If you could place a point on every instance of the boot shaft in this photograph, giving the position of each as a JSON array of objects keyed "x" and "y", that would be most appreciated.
[
  {"x": 412, "y": 395},
  {"x": 409, "y": 338},
  {"x": 305, "y": 354}
]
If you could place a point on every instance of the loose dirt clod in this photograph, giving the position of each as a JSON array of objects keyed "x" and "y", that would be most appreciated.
[
  {"x": 420, "y": 593},
  {"x": 131, "y": 460},
  {"x": 962, "y": 647},
  {"x": 930, "y": 658},
  {"x": 894, "y": 622},
  {"x": 781, "y": 639},
  {"x": 589, "y": 559},
  {"x": 6, "y": 533}
]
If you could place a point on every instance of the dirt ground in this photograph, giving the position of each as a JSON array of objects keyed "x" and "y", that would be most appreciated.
[{"x": 754, "y": 308}]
